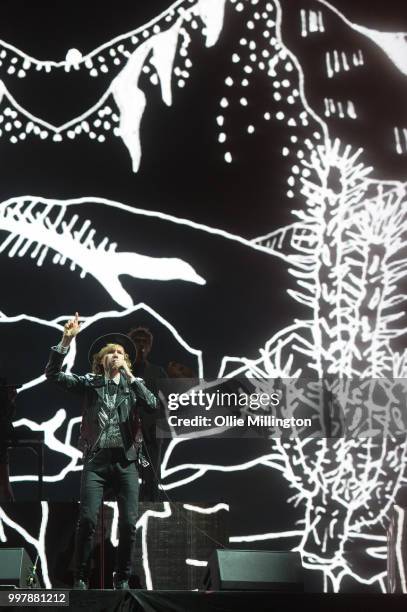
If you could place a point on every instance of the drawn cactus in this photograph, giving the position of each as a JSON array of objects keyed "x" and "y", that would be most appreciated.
[{"x": 346, "y": 253}]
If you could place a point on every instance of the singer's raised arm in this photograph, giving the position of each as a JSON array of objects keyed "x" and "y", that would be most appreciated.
[{"x": 53, "y": 369}]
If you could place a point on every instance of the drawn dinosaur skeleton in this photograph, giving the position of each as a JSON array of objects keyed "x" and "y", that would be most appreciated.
[{"x": 36, "y": 227}]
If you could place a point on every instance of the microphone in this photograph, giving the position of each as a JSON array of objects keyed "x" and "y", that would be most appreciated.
[{"x": 32, "y": 578}]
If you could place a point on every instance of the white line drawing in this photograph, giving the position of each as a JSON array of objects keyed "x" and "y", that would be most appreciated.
[
  {"x": 60, "y": 419},
  {"x": 196, "y": 562},
  {"x": 311, "y": 21},
  {"x": 397, "y": 139},
  {"x": 212, "y": 510},
  {"x": 337, "y": 62},
  {"x": 114, "y": 52},
  {"x": 346, "y": 253},
  {"x": 142, "y": 523},
  {"x": 36, "y": 227},
  {"x": 266, "y": 536},
  {"x": 393, "y": 44},
  {"x": 357, "y": 341},
  {"x": 156, "y": 53},
  {"x": 66, "y": 448},
  {"x": 111, "y": 52},
  {"x": 38, "y": 543},
  {"x": 341, "y": 237},
  {"x": 400, "y": 137},
  {"x": 101, "y": 120},
  {"x": 399, "y": 553},
  {"x": 339, "y": 109}
]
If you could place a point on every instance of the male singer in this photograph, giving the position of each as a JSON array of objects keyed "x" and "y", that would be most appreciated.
[{"x": 110, "y": 438}]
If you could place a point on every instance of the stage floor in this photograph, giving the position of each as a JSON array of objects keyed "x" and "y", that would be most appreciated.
[{"x": 229, "y": 601}]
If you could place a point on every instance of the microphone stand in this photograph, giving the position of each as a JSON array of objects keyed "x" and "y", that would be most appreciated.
[{"x": 32, "y": 580}]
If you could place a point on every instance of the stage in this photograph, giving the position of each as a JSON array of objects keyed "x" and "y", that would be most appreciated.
[
  {"x": 229, "y": 601},
  {"x": 218, "y": 190}
]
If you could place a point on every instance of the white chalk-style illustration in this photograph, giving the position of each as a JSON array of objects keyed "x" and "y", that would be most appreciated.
[
  {"x": 160, "y": 49},
  {"x": 37, "y": 543},
  {"x": 345, "y": 251},
  {"x": 37, "y": 227},
  {"x": 155, "y": 55}
]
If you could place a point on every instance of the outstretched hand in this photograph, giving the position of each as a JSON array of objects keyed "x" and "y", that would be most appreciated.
[{"x": 72, "y": 327}]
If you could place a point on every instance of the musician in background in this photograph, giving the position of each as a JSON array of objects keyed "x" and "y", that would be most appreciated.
[
  {"x": 152, "y": 375},
  {"x": 8, "y": 395}
]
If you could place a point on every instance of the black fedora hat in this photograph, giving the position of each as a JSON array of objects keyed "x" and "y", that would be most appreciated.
[{"x": 113, "y": 338}]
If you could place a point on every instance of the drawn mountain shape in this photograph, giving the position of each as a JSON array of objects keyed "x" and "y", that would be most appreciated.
[
  {"x": 156, "y": 43},
  {"x": 341, "y": 64}
]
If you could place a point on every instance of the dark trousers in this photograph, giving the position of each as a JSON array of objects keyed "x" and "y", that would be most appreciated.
[
  {"x": 109, "y": 468},
  {"x": 149, "y": 490}
]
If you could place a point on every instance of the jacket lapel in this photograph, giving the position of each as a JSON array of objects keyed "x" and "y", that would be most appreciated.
[
  {"x": 123, "y": 391},
  {"x": 99, "y": 387}
]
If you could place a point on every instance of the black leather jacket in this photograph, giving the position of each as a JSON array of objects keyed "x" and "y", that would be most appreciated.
[{"x": 132, "y": 400}]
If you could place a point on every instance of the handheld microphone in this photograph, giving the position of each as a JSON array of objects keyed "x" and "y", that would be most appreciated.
[{"x": 123, "y": 371}]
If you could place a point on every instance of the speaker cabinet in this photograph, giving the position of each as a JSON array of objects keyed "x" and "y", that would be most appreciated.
[
  {"x": 15, "y": 568},
  {"x": 254, "y": 570}
]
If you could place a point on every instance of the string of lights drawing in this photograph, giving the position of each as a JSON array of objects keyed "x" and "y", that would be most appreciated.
[
  {"x": 346, "y": 253},
  {"x": 262, "y": 51}
]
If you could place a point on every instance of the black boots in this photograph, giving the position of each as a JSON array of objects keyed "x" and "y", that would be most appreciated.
[
  {"x": 118, "y": 584},
  {"x": 121, "y": 585}
]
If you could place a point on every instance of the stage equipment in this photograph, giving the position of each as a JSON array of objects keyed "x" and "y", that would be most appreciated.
[
  {"x": 34, "y": 440},
  {"x": 255, "y": 570},
  {"x": 17, "y": 570}
]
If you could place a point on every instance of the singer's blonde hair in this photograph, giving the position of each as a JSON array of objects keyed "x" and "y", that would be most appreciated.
[{"x": 97, "y": 359}]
